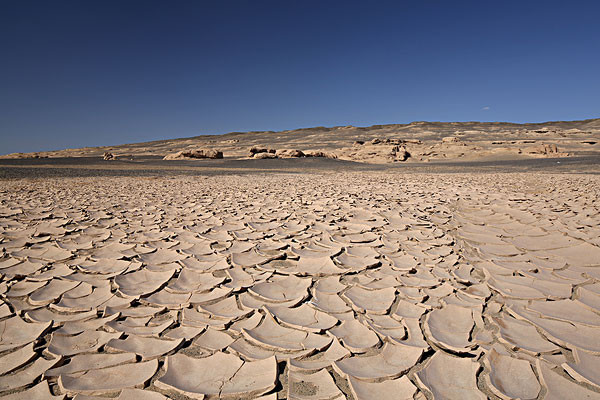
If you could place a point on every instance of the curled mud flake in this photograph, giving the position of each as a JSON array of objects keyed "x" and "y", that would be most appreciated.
[
  {"x": 218, "y": 374},
  {"x": 449, "y": 377},
  {"x": 98, "y": 381}
]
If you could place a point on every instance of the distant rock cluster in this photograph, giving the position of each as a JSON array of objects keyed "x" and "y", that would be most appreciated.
[
  {"x": 195, "y": 154},
  {"x": 377, "y": 151},
  {"x": 261, "y": 152},
  {"x": 450, "y": 139},
  {"x": 544, "y": 150},
  {"x": 25, "y": 155},
  {"x": 264, "y": 153}
]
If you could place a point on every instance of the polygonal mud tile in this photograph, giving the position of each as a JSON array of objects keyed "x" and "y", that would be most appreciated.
[
  {"x": 329, "y": 285},
  {"x": 27, "y": 375},
  {"x": 567, "y": 334},
  {"x": 449, "y": 377},
  {"x": 376, "y": 301},
  {"x": 190, "y": 280},
  {"x": 23, "y": 288},
  {"x": 220, "y": 374},
  {"x": 142, "y": 282},
  {"x": 249, "y": 259},
  {"x": 393, "y": 361},
  {"x": 355, "y": 336},
  {"x": 210, "y": 296},
  {"x": 85, "y": 303},
  {"x": 238, "y": 279},
  {"x": 85, "y": 362},
  {"x": 51, "y": 292},
  {"x": 139, "y": 394},
  {"x": 172, "y": 301},
  {"x": 510, "y": 378},
  {"x": 16, "y": 359},
  {"x": 15, "y": 332},
  {"x": 184, "y": 332},
  {"x": 282, "y": 289},
  {"x": 308, "y": 386},
  {"x": 303, "y": 317},
  {"x": 271, "y": 335},
  {"x": 565, "y": 310},
  {"x": 98, "y": 381},
  {"x": 450, "y": 327},
  {"x": 226, "y": 308},
  {"x": 75, "y": 327},
  {"x": 162, "y": 256},
  {"x": 329, "y": 302},
  {"x": 394, "y": 389},
  {"x": 213, "y": 339},
  {"x": 317, "y": 266},
  {"x": 522, "y": 335},
  {"x": 586, "y": 367},
  {"x": 146, "y": 347},
  {"x": 356, "y": 264},
  {"x": 86, "y": 341},
  {"x": 129, "y": 327},
  {"x": 322, "y": 359},
  {"x": 559, "y": 387},
  {"x": 41, "y": 391}
]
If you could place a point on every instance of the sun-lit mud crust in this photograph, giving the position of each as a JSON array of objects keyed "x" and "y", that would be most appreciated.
[{"x": 368, "y": 284}]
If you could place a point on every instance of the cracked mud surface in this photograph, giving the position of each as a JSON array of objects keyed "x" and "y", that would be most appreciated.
[{"x": 301, "y": 286}]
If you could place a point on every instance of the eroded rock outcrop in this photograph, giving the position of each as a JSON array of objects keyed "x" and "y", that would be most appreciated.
[
  {"x": 289, "y": 153},
  {"x": 264, "y": 155},
  {"x": 25, "y": 155},
  {"x": 375, "y": 153},
  {"x": 320, "y": 153},
  {"x": 195, "y": 154},
  {"x": 254, "y": 150},
  {"x": 544, "y": 150},
  {"x": 450, "y": 139}
]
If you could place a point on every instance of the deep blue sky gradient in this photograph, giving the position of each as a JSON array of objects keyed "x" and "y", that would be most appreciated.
[{"x": 78, "y": 73}]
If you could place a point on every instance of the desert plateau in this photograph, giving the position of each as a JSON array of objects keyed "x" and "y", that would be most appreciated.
[
  {"x": 378, "y": 144},
  {"x": 421, "y": 261}
]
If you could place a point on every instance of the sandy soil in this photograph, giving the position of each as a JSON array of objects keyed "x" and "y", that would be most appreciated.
[{"x": 300, "y": 279}]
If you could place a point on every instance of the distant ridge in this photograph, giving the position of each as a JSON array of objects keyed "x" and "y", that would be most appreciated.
[{"x": 329, "y": 138}]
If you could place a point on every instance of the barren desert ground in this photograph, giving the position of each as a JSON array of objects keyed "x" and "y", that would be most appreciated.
[{"x": 468, "y": 270}]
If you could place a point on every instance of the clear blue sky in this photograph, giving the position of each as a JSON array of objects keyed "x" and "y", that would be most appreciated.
[{"x": 77, "y": 73}]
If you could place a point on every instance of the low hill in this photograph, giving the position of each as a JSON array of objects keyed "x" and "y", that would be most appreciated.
[{"x": 417, "y": 141}]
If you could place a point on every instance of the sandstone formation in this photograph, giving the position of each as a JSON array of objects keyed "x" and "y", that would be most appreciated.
[
  {"x": 194, "y": 154},
  {"x": 289, "y": 153},
  {"x": 264, "y": 155},
  {"x": 377, "y": 151},
  {"x": 319, "y": 153},
  {"x": 544, "y": 150},
  {"x": 450, "y": 139},
  {"x": 253, "y": 151}
]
